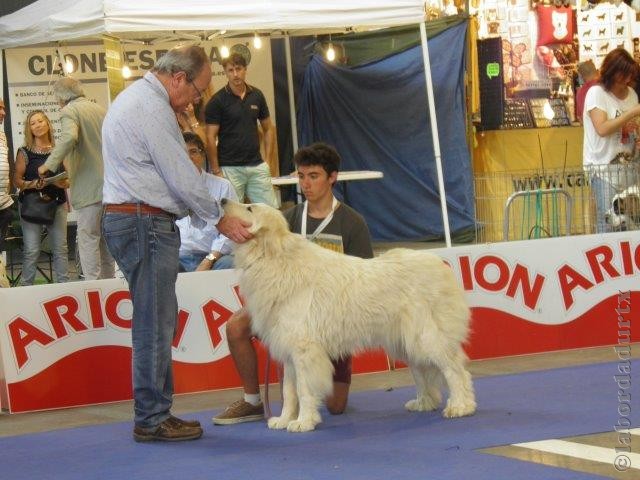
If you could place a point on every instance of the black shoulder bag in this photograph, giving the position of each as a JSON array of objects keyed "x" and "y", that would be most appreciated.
[{"x": 37, "y": 206}]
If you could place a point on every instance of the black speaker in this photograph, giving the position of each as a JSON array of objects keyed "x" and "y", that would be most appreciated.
[{"x": 491, "y": 83}]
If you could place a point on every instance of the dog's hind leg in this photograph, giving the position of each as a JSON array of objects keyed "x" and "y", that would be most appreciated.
[
  {"x": 314, "y": 382},
  {"x": 289, "y": 399},
  {"x": 428, "y": 383},
  {"x": 462, "y": 399}
]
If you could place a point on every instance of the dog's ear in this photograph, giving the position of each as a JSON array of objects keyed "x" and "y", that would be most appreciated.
[
  {"x": 271, "y": 229},
  {"x": 265, "y": 218}
]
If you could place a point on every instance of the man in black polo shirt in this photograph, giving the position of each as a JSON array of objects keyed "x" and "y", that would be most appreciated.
[{"x": 232, "y": 115}]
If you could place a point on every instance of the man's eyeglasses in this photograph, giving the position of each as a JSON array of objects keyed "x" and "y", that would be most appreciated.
[
  {"x": 196, "y": 88},
  {"x": 194, "y": 151}
]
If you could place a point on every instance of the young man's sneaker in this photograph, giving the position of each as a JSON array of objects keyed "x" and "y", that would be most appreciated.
[
  {"x": 239, "y": 412},
  {"x": 171, "y": 430}
]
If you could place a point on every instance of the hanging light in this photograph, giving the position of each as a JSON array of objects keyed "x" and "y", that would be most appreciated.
[
  {"x": 257, "y": 41},
  {"x": 69, "y": 67},
  {"x": 224, "y": 51},
  {"x": 330, "y": 53},
  {"x": 126, "y": 71}
]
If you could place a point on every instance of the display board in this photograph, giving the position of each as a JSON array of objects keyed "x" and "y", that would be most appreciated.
[
  {"x": 516, "y": 114},
  {"x": 542, "y": 44},
  {"x": 603, "y": 28},
  {"x": 557, "y": 106},
  {"x": 31, "y": 72}
]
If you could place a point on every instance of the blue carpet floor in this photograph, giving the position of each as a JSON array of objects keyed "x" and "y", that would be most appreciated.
[{"x": 375, "y": 439}]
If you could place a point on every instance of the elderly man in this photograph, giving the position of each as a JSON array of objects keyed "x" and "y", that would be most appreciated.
[
  {"x": 149, "y": 181},
  {"x": 81, "y": 144}
]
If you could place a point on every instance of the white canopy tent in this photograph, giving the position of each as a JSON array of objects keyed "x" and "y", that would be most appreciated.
[
  {"x": 59, "y": 20},
  {"x": 54, "y": 20}
]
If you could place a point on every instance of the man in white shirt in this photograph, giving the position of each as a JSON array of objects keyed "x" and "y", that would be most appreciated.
[{"x": 205, "y": 248}]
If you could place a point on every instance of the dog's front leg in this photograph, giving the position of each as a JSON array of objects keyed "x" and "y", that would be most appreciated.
[
  {"x": 314, "y": 382},
  {"x": 289, "y": 399}
]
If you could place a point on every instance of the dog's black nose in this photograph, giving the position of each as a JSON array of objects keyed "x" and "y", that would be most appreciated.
[{"x": 224, "y": 201}]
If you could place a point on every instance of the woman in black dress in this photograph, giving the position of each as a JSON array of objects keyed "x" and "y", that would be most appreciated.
[{"x": 38, "y": 143}]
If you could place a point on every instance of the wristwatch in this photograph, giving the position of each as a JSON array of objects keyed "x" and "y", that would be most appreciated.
[{"x": 212, "y": 257}]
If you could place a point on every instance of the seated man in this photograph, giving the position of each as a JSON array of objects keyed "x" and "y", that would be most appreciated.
[
  {"x": 322, "y": 219},
  {"x": 204, "y": 248}
]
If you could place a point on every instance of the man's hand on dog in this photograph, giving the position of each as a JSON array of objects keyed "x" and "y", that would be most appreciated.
[{"x": 235, "y": 229}]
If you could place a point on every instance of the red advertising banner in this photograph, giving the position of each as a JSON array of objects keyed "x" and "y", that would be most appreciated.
[{"x": 69, "y": 344}]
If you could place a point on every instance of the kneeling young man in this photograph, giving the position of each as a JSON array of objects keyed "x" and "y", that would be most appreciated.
[{"x": 331, "y": 224}]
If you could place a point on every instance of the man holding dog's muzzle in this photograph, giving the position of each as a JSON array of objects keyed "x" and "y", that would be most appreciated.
[{"x": 149, "y": 181}]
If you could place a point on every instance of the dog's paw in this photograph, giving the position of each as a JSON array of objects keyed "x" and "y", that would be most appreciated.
[
  {"x": 425, "y": 404},
  {"x": 278, "y": 423},
  {"x": 301, "y": 425},
  {"x": 459, "y": 410}
]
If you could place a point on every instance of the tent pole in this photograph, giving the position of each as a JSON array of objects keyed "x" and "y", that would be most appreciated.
[
  {"x": 292, "y": 106},
  {"x": 434, "y": 132},
  {"x": 292, "y": 100}
]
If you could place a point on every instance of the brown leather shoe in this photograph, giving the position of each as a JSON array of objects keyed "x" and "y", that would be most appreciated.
[
  {"x": 168, "y": 431},
  {"x": 188, "y": 423}
]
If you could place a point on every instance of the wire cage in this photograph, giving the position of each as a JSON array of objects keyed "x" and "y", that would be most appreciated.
[{"x": 527, "y": 204}]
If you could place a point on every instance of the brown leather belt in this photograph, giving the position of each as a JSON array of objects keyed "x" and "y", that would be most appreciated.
[{"x": 135, "y": 208}]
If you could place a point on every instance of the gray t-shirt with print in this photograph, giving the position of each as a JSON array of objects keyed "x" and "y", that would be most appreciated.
[{"x": 347, "y": 232}]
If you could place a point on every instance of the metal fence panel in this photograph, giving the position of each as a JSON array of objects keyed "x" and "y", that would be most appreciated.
[{"x": 527, "y": 204}]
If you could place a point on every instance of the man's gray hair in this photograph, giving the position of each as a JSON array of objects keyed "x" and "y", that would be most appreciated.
[
  {"x": 189, "y": 60},
  {"x": 67, "y": 89}
]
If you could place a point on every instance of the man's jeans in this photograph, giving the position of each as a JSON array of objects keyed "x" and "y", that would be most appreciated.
[
  {"x": 146, "y": 250},
  {"x": 189, "y": 261}
]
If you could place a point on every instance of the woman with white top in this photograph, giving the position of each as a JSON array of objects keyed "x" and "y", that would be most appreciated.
[{"x": 610, "y": 129}]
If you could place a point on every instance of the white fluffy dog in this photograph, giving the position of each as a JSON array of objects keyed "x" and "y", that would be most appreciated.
[{"x": 309, "y": 304}]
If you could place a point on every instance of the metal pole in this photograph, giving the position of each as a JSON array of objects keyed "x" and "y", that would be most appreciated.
[
  {"x": 292, "y": 107},
  {"x": 434, "y": 132},
  {"x": 292, "y": 100}
]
